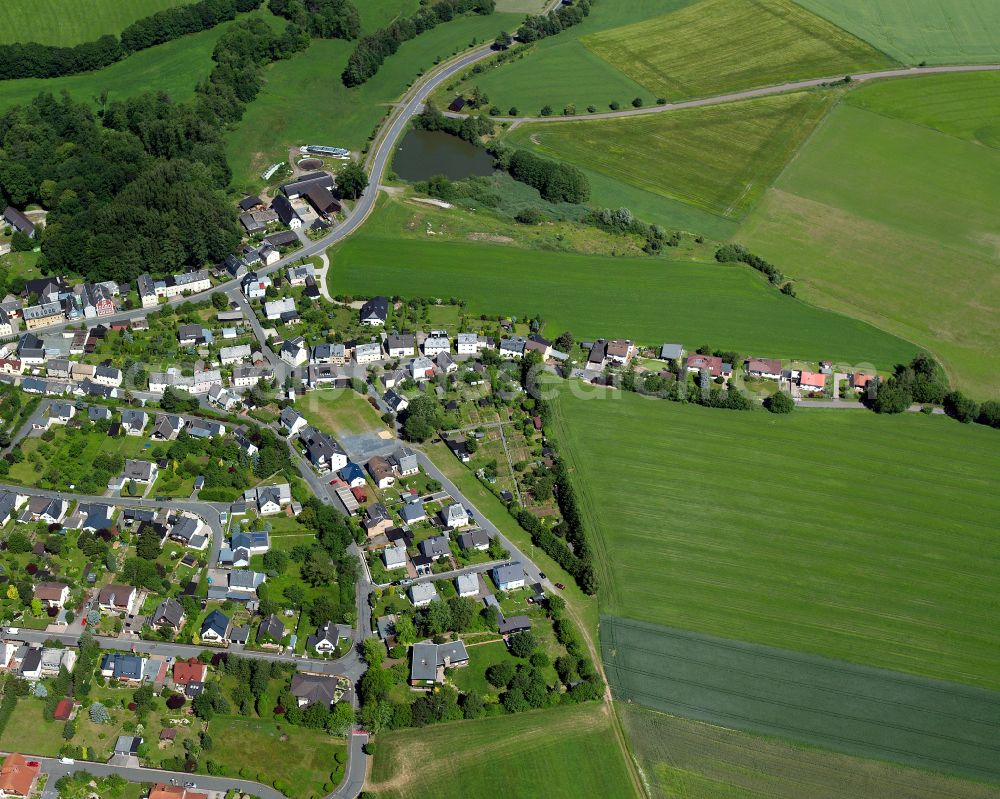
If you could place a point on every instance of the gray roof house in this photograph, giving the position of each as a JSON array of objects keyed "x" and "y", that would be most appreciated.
[
  {"x": 310, "y": 689},
  {"x": 413, "y": 511},
  {"x": 133, "y": 422},
  {"x": 509, "y": 577},
  {"x": 671, "y": 352},
  {"x": 436, "y": 547},
  {"x": 168, "y": 613},
  {"x": 428, "y": 658},
  {"x": 477, "y": 539},
  {"x": 422, "y": 594},
  {"x": 271, "y": 631}
]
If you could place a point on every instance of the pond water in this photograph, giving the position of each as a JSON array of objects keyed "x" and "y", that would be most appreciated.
[{"x": 423, "y": 154}]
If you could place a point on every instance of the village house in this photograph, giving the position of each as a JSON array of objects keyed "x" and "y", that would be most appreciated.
[
  {"x": 324, "y": 453},
  {"x": 269, "y": 499},
  {"x": 421, "y": 368},
  {"x": 454, "y": 516},
  {"x": 170, "y": 614},
  {"x": 477, "y": 540},
  {"x": 235, "y": 354},
  {"x": 381, "y": 471},
  {"x": 36, "y": 316},
  {"x": 17, "y": 777},
  {"x": 52, "y": 595},
  {"x": 271, "y": 632},
  {"x": 436, "y": 343},
  {"x": 375, "y": 312},
  {"x": 294, "y": 351},
  {"x": 512, "y": 348},
  {"x": 395, "y": 557},
  {"x": 186, "y": 283},
  {"x": 399, "y": 345},
  {"x": 254, "y": 287},
  {"x": 215, "y": 627},
  {"x": 812, "y": 381},
  {"x": 369, "y": 352},
  {"x": 436, "y": 547},
  {"x": 467, "y": 585},
  {"x": 123, "y": 667},
  {"x": 619, "y": 351},
  {"x": 377, "y": 519},
  {"x": 117, "y": 598},
  {"x": 17, "y": 220},
  {"x": 767, "y": 368},
  {"x": 140, "y": 471},
  {"x": 335, "y": 354},
  {"x": 327, "y": 636},
  {"x": 277, "y": 310},
  {"x": 314, "y": 689},
  {"x": 509, "y": 577},
  {"x": 166, "y": 427},
  {"x": 291, "y": 421},
  {"x": 430, "y": 660},
  {"x": 422, "y": 594}
]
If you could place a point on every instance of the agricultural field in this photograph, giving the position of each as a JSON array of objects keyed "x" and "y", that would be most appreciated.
[
  {"x": 175, "y": 68},
  {"x": 305, "y": 102},
  {"x": 719, "y": 159},
  {"x": 717, "y": 46},
  {"x": 912, "y": 31},
  {"x": 964, "y": 104},
  {"x": 561, "y": 753},
  {"x": 572, "y": 74},
  {"x": 870, "y": 539},
  {"x": 693, "y": 303},
  {"x": 680, "y": 757},
  {"x": 893, "y": 223},
  {"x": 862, "y": 711},
  {"x": 68, "y": 22}
]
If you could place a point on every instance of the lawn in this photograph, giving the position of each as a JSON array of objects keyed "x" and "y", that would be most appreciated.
[
  {"x": 340, "y": 412},
  {"x": 560, "y": 70},
  {"x": 305, "y": 102},
  {"x": 175, "y": 68},
  {"x": 481, "y": 657},
  {"x": 559, "y": 753},
  {"x": 692, "y": 303},
  {"x": 21, "y": 264},
  {"x": 866, "y": 538},
  {"x": 853, "y": 709},
  {"x": 687, "y": 758},
  {"x": 715, "y": 46},
  {"x": 718, "y": 158},
  {"x": 894, "y": 223},
  {"x": 68, "y": 22},
  {"x": 935, "y": 31},
  {"x": 300, "y": 757}
]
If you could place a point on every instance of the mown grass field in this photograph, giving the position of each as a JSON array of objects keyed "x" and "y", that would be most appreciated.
[
  {"x": 175, "y": 68},
  {"x": 715, "y": 46},
  {"x": 693, "y": 303},
  {"x": 680, "y": 757},
  {"x": 561, "y": 753},
  {"x": 895, "y": 223},
  {"x": 340, "y": 412},
  {"x": 841, "y": 533},
  {"x": 561, "y": 71},
  {"x": 305, "y": 102},
  {"x": 855, "y": 709},
  {"x": 718, "y": 158},
  {"x": 68, "y": 22},
  {"x": 966, "y": 105},
  {"x": 935, "y": 31}
]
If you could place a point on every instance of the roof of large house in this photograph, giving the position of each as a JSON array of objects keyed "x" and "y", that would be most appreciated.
[
  {"x": 115, "y": 594},
  {"x": 314, "y": 687},
  {"x": 190, "y": 670},
  {"x": 169, "y": 611},
  {"x": 16, "y": 776},
  {"x": 271, "y": 627},
  {"x": 509, "y": 573},
  {"x": 217, "y": 621},
  {"x": 50, "y": 591},
  {"x": 375, "y": 308}
]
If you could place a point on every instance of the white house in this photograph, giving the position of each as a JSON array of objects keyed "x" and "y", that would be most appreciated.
[
  {"x": 274, "y": 309},
  {"x": 399, "y": 345},
  {"x": 467, "y": 584},
  {"x": 237, "y": 354},
  {"x": 421, "y": 368},
  {"x": 368, "y": 353},
  {"x": 294, "y": 351},
  {"x": 468, "y": 344},
  {"x": 512, "y": 348},
  {"x": 509, "y": 577},
  {"x": 422, "y": 594},
  {"x": 248, "y": 376},
  {"x": 434, "y": 344},
  {"x": 395, "y": 556},
  {"x": 454, "y": 516},
  {"x": 110, "y": 376},
  {"x": 254, "y": 288},
  {"x": 292, "y": 421}
]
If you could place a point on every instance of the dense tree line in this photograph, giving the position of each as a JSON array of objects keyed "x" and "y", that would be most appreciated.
[
  {"x": 34, "y": 60},
  {"x": 555, "y": 181},
  {"x": 372, "y": 50},
  {"x": 325, "y": 19},
  {"x": 737, "y": 253},
  {"x": 143, "y": 187},
  {"x": 469, "y": 128},
  {"x": 566, "y": 16}
]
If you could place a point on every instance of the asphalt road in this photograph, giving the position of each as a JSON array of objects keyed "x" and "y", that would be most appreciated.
[{"x": 55, "y": 770}]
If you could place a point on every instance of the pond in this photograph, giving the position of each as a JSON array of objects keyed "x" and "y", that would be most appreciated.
[{"x": 423, "y": 154}]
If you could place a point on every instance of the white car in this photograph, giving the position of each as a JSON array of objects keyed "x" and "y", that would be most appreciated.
[
  {"x": 13, "y": 630},
  {"x": 67, "y": 761}
]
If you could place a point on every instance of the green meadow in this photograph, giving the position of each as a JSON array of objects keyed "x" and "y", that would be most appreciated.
[
  {"x": 964, "y": 104},
  {"x": 715, "y": 46},
  {"x": 680, "y": 757},
  {"x": 175, "y": 68},
  {"x": 911, "y": 31},
  {"x": 895, "y": 223},
  {"x": 840, "y": 533},
  {"x": 561, "y": 71},
  {"x": 691, "y": 302},
  {"x": 719, "y": 159},
  {"x": 68, "y": 22},
  {"x": 561, "y": 753},
  {"x": 305, "y": 102}
]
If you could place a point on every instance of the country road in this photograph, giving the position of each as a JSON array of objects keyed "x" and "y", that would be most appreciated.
[{"x": 746, "y": 94}]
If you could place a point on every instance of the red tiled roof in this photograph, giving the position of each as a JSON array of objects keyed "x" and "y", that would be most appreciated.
[
  {"x": 64, "y": 709},
  {"x": 186, "y": 671},
  {"x": 812, "y": 380},
  {"x": 16, "y": 776}
]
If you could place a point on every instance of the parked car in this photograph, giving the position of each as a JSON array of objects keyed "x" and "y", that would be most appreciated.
[{"x": 560, "y": 586}]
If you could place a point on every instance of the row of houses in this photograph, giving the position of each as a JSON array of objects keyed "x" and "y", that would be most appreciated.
[{"x": 151, "y": 291}]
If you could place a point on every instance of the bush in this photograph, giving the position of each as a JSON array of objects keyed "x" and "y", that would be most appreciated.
[
  {"x": 546, "y": 111},
  {"x": 637, "y": 102},
  {"x": 529, "y": 216},
  {"x": 960, "y": 407},
  {"x": 613, "y": 105},
  {"x": 780, "y": 403}
]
